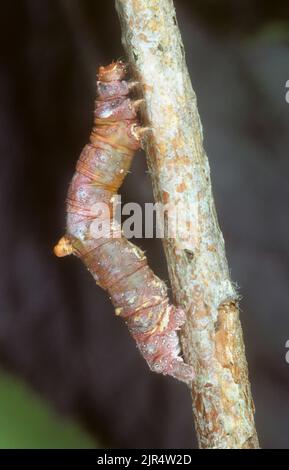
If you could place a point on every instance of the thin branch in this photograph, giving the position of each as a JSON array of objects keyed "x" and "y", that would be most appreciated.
[{"x": 212, "y": 337}]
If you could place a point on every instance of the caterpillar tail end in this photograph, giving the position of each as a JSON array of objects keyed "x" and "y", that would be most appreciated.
[
  {"x": 63, "y": 248},
  {"x": 182, "y": 371},
  {"x": 174, "y": 367}
]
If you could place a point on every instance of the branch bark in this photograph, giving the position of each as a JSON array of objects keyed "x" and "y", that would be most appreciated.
[{"x": 212, "y": 339}]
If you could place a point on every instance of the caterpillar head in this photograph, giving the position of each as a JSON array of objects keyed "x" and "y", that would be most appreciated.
[{"x": 112, "y": 72}]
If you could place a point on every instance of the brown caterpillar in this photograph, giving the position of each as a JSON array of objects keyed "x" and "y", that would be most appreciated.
[{"x": 117, "y": 265}]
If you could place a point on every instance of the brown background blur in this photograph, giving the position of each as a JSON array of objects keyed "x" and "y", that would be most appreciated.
[{"x": 57, "y": 329}]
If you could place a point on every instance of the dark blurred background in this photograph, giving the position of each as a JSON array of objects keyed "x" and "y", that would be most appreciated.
[{"x": 58, "y": 333}]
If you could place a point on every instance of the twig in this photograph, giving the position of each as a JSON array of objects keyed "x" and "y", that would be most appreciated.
[{"x": 212, "y": 337}]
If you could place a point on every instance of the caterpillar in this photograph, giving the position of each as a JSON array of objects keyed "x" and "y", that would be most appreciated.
[{"x": 118, "y": 266}]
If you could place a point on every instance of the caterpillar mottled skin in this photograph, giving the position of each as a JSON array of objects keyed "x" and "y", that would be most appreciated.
[{"x": 117, "y": 265}]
